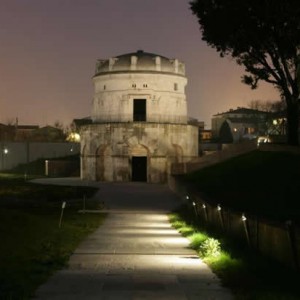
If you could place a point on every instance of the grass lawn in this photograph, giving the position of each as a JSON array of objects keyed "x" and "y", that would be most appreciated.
[
  {"x": 261, "y": 183},
  {"x": 32, "y": 244}
]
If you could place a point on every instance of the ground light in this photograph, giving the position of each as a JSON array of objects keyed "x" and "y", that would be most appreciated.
[
  {"x": 219, "y": 209},
  {"x": 244, "y": 219}
]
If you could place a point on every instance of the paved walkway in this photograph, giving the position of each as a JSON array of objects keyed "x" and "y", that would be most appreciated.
[{"x": 135, "y": 254}]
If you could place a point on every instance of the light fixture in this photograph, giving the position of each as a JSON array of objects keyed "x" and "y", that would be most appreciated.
[
  {"x": 244, "y": 219},
  {"x": 203, "y": 205},
  {"x": 194, "y": 204},
  {"x": 187, "y": 197},
  {"x": 219, "y": 207}
]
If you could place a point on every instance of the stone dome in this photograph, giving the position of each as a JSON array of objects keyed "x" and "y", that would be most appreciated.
[{"x": 140, "y": 61}]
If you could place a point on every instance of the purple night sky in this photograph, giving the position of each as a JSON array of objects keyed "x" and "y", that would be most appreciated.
[{"x": 49, "y": 49}]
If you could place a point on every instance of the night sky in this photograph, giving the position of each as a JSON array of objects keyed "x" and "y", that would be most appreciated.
[{"x": 48, "y": 51}]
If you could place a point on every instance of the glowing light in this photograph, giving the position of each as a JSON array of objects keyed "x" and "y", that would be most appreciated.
[
  {"x": 203, "y": 205},
  {"x": 219, "y": 207},
  {"x": 187, "y": 197},
  {"x": 194, "y": 204},
  {"x": 5, "y": 151},
  {"x": 73, "y": 137},
  {"x": 244, "y": 219}
]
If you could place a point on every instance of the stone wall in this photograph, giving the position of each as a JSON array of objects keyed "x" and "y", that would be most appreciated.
[
  {"x": 22, "y": 152},
  {"x": 115, "y": 94},
  {"x": 62, "y": 168},
  {"x": 107, "y": 149},
  {"x": 225, "y": 152}
]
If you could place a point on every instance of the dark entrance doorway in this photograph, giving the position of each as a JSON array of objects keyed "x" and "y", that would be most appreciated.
[
  {"x": 139, "y": 168},
  {"x": 139, "y": 110}
]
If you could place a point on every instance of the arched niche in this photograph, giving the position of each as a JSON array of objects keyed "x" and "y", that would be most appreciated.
[{"x": 104, "y": 163}]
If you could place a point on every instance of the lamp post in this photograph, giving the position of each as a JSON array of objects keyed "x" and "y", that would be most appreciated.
[{"x": 4, "y": 152}]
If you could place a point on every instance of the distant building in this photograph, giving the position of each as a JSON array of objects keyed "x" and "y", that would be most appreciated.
[
  {"x": 7, "y": 132},
  {"x": 15, "y": 132},
  {"x": 205, "y": 135},
  {"x": 31, "y": 133},
  {"x": 24, "y": 132},
  {"x": 238, "y": 124},
  {"x": 47, "y": 134},
  {"x": 139, "y": 123}
]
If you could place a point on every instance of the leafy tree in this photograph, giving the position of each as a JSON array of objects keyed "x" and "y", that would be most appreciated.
[
  {"x": 268, "y": 106},
  {"x": 264, "y": 37}
]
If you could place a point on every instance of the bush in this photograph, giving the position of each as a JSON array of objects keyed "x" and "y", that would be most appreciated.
[{"x": 210, "y": 247}]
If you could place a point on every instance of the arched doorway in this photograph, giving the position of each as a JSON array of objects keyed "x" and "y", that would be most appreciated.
[{"x": 139, "y": 163}]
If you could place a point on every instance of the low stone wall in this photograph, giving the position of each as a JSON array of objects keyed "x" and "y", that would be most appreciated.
[
  {"x": 281, "y": 148},
  {"x": 226, "y": 151},
  {"x": 62, "y": 168},
  {"x": 279, "y": 241},
  {"x": 15, "y": 153}
]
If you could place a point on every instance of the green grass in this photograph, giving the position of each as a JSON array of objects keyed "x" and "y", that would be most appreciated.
[
  {"x": 196, "y": 239},
  {"x": 248, "y": 274},
  {"x": 32, "y": 244},
  {"x": 259, "y": 182}
]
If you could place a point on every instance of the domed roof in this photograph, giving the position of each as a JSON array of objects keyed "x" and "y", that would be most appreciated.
[{"x": 140, "y": 61}]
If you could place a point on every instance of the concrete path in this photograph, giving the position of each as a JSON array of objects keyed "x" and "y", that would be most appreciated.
[{"x": 135, "y": 254}]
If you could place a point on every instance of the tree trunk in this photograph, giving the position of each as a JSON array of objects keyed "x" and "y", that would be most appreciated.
[{"x": 293, "y": 122}]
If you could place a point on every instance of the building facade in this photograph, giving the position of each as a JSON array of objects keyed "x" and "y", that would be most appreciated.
[
  {"x": 139, "y": 124},
  {"x": 238, "y": 124}
]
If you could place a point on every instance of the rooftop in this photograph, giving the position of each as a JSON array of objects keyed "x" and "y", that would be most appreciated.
[{"x": 140, "y": 61}]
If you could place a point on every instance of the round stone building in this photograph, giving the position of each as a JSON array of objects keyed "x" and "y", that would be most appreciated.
[{"x": 138, "y": 121}]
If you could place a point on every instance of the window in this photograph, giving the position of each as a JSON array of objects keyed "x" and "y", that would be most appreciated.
[
  {"x": 145, "y": 85},
  {"x": 134, "y": 85},
  {"x": 175, "y": 86},
  {"x": 104, "y": 87},
  {"x": 139, "y": 110}
]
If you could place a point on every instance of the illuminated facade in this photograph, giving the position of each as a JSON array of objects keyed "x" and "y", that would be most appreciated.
[{"x": 138, "y": 120}]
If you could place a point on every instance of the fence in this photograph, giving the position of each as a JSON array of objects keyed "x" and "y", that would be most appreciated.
[{"x": 279, "y": 241}]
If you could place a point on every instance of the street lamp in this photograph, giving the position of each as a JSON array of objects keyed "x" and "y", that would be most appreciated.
[{"x": 3, "y": 153}]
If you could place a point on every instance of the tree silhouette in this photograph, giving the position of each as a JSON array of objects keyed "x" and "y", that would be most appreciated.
[{"x": 264, "y": 37}]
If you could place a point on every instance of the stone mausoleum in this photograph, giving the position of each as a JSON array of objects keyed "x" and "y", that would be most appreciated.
[{"x": 139, "y": 123}]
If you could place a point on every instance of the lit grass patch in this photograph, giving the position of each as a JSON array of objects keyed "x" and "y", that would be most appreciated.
[
  {"x": 178, "y": 224},
  {"x": 196, "y": 239},
  {"x": 186, "y": 230},
  {"x": 225, "y": 266},
  {"x": 174, "y": 217}
]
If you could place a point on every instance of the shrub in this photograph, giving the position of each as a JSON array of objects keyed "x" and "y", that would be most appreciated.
[{"x": 210, "y": 247}]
